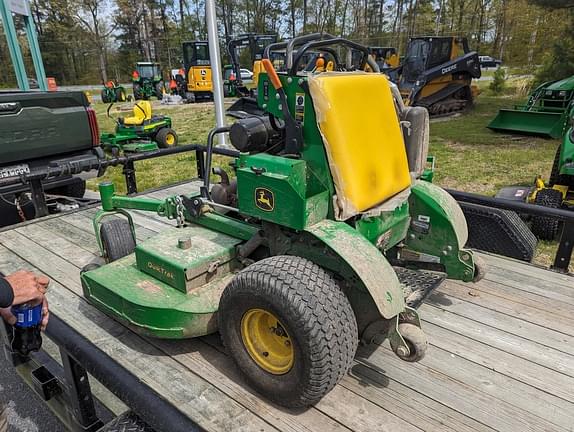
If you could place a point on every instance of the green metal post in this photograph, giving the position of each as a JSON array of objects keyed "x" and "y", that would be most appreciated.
[
  {"x": 36, "y": 55},
  {"x": 13, "y": 46},
  {"x": 107, "y": 191}
]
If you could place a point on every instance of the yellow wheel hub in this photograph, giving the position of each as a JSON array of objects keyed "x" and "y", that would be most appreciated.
[
  {"x": 267, "y": 341},
  {"x": 170, "y": 139}
]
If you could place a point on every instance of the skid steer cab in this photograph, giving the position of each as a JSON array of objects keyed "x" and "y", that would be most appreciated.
[{"x": 326, "y": 238}]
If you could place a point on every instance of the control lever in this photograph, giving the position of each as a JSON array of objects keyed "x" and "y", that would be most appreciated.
[{"x": 293, "y": 133}]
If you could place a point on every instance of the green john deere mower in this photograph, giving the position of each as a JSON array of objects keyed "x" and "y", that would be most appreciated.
[
  {"x": 327, "y": 237},
  {"x": 113, "y": 92},
  {"x": 140, "y": 132},
  {"x": 546, "y": 113}
]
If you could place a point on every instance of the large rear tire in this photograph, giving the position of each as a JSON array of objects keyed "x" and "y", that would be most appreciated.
[
  {"x": 166, "y": 137},
  {"x": 159, "y": 88},
  {"x": 546, "y": 228},
  {"x": 137, "y": 92},
  {"x": 290, "y": 329},
  {"x": 104, "y": 96},
  {"x": 121, "y": 95},
  {"x": 117, "y": 239},
  {"x": 555, "y": 177}
]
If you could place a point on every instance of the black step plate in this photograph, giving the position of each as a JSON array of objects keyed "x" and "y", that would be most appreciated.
[{"x": 418, "y": 284}]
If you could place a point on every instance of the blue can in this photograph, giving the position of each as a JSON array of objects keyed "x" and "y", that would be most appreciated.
[{"x": 27, "y": 316}]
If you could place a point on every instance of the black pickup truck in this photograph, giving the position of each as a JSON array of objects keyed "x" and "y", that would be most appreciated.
[{"x": 40, "y": 130}]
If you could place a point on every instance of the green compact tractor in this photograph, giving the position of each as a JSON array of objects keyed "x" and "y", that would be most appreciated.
[
  {"x": 546, "y": 113},
  {"x": 147, "y": 81},
  {"x": 141, "y": 132},
  {"x": 557, "y": 193},
  {"x": 327, "y": 237},
  {"x": 113, "y": 92}
]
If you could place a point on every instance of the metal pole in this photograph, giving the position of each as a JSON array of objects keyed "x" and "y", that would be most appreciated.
[
  {"x": 213, "y": 38},
  {"x": 13, "y": 45},
  {"x": 36, "y": 54}
]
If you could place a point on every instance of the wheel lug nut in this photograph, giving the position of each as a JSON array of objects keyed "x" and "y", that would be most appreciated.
[
  {"x": 265, "y": 354},
  {"x": 287, "y": 343}
]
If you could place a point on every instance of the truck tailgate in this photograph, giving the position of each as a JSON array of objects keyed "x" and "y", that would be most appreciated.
[{"x": 37, "y": 124}]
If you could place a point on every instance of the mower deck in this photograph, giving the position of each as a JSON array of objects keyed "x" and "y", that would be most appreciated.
[{"x": 171, "y": 298}]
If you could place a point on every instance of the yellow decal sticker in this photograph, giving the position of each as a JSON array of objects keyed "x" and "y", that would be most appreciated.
[{"x": 264, "y": 199}]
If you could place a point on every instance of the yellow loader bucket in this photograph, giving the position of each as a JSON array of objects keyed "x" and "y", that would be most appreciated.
[{"x": 544, "y": 123}]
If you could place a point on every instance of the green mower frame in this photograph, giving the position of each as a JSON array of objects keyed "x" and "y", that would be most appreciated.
[
  {"x": 547, "y": 111},
  {"x": 264, "y": 259}
]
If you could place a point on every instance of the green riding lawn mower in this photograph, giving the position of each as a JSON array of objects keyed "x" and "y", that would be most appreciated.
[
  {"x": 546, "y": 113},
  {"x": 140, "y": 132},
  {"x": 557, "y": 193},
  {"x": 113, "y": 92},
  {"x": 326, "y": 237},
  {"x": 147, "y": 81}
]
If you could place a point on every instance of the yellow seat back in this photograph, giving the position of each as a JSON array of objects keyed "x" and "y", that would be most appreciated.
[
  {"x": 142, "y": 112},
  {"x": 362, "y": 136}
]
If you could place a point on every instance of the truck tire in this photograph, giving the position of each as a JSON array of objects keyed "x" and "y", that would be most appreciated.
[
  {"x": 76, "y": 189},
  {"x": 546, "y": 228},
  {"x": 289, "y": 328},
  {"x": 117, "y": 239},
  {"x": 166, "y": 137}
]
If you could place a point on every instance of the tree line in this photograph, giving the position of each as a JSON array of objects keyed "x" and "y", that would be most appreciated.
[{"x": 91, "y": 41}]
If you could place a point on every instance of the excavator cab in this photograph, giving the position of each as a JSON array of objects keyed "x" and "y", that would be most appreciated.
[
  {"x": 437, "y": 74},
  {"x": 197, "y": 64}
]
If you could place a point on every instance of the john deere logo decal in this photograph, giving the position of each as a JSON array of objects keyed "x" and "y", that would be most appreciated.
[{"x": 264, "y": 199}]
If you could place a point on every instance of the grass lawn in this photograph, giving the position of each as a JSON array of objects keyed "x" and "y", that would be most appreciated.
[{"x": 470, "y": 157}]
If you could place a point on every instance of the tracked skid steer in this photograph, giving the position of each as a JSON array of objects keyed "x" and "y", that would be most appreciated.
[
  {"x": 437, "y": 74},
  {"x": 327, "y": 236}
]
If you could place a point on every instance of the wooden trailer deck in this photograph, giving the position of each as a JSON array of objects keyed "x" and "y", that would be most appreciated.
[{"x": 501, "y": 355}]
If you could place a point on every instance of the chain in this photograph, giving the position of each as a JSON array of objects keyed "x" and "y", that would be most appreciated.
[
  {"x": 179, "y": 211},
  {"x": 20, "y": 211}
]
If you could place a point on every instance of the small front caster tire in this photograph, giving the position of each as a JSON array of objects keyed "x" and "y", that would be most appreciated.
[
  {"x": 117, "y": 239},
  {"x": 415, "y": 340},
  {"x": 479, "y": 269}
]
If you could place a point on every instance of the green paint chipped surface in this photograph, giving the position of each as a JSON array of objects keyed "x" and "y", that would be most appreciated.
[
  {"x": 210, "y": 250},
  {"x": 152, "y": 305},
  {"x": 367, "y": 262}
]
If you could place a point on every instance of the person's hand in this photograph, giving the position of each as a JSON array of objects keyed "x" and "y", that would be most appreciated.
[
  {"x": 45, "y": 313},
  {"x": 27, "y": 287}
]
